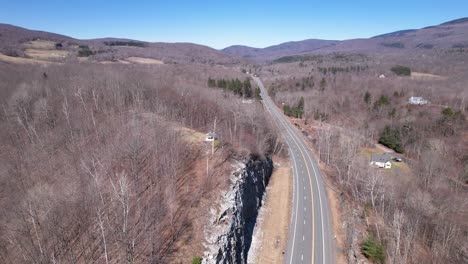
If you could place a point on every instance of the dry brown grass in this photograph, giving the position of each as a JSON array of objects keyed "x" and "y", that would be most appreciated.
[
  {"x": 427, "y": 76},
  {"x": 379, "y": 149},
  {"x": 45, "y": 54},
  {"x": 115, "y": 62},
  {"x": 191, "y": 135},
  {"x": 40, "y": 44},
  {"x": 19, "y": 60},
  {"x": 141, "y": 60},
  {"x": 274, "y": 227},
  {"x": 44, "y": 50}
]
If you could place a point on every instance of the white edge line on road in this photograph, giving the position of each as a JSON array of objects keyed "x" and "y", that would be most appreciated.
[
  {"x": 305, "y": 148},
  {"x": 295, "y": 180},
  {"x": 301, "y": 144}
]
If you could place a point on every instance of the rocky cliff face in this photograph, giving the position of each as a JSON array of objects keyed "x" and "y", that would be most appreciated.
[{"x": 229, "y": 234}]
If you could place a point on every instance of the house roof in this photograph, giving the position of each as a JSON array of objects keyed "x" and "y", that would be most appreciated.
[
  {"x": 417, "y": 99},
  {"x": 211, "y": 134},
  {"x": 382, "y": 157}
]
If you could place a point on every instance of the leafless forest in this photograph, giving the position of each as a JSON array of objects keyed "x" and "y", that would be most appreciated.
[
  {"x": 417, "y": 211},
  {"x": 94, "y": 166},
  {"x": 99, "y": 162}
]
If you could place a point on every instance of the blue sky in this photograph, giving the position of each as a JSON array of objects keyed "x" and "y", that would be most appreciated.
[{"x": 223, "y": 23}]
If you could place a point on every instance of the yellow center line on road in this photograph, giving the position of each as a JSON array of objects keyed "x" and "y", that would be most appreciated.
[{"x": 282, "y": 122}]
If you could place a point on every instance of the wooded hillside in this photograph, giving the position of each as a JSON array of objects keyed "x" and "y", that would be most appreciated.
[{"x": 97, "y": 166}]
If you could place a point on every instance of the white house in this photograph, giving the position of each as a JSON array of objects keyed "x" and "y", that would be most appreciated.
[
  {"x": 382, "y": 160},
  {"x": 417, "y": 100}
]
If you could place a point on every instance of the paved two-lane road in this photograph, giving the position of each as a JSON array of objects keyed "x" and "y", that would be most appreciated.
[{"x": 310, "y": 233}]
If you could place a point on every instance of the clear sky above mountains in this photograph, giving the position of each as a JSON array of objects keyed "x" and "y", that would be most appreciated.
[{"x": 223, "y": 23}]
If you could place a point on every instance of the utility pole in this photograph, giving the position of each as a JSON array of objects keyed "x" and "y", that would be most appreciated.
[
  {"x": 212, "y": 147},
  {"x": 207, "y": 167},
  {"x": 214, "y": 136}
]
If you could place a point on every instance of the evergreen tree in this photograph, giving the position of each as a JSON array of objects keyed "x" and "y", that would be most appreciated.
[
  {"x": 300, "y": 104},
  {"x": 383, "y": 101},
  {"x": 286, "y": 110},
  {"x": 367, "y": 98},
  {"x": 323, "y": 84},
  {"x": 258, "y": 94},
  {"x": 390, "y": 137},
  {"x": 211, "y": 82},
  {"x": 401, "y": 70},
  {"x": 247, "y": 88}
]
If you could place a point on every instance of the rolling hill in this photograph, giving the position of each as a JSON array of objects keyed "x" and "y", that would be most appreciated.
[
  {"x": 448, "y": 35},
  {"x": 20, "y": 42},
  {"x": 284, "y": 49}
]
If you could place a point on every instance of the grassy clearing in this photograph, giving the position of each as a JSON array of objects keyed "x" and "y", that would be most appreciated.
[
  {"x": 40, "y": 44},
  {"x": 42, "y": 54},
  {"x": 114, "y": 62},
  {"x": 427, "y": 76},
  {"x": 191, "y": 135},
  {"x": 400, "y": 165},
  {"x": 141, "y": 60},
  {"x": 367, "y": 152},
  {"x": 19, "y": 60}
]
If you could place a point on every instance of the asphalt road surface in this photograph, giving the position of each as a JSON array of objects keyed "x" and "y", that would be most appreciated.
[{"x": 310, "y": 233}]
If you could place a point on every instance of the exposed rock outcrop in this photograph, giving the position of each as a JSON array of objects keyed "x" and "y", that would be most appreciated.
[{"x": 229, "y": 233}]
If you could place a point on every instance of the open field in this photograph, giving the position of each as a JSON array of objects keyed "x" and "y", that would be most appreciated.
[
  {"x": 191, "y": 135},
  {"x": 43, "y": 54},
  {"x": 141, "y": 60},
  {"x": 19, "y": 60},
  {"x": 40, "y": 44},
  {"x": 114, "y": 62},
  {"x": 367, "y": 153},
  {"x": 427, "y": 76}
]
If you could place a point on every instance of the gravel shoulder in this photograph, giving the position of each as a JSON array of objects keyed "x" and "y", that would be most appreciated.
[{"x": 273, "y": 227}]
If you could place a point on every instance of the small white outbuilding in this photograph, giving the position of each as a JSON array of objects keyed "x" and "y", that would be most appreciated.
[{"x": 413, "y": 100}]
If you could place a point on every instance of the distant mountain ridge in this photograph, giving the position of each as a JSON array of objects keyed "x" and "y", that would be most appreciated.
[
  {"x": 288, "y": 48},
  {"x": 13, "y": 40},
  {"x": 456, "y": 21},
  {"x": 398, "y": 33},
  {"x": 451, "y": 34}
]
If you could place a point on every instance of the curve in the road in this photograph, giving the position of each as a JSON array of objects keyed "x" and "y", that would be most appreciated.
[{"x": 304, "y": 240}]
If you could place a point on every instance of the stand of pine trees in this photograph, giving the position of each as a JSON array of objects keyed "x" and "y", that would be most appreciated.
[
  {"x": 295, "y": 111},
  {"x": 241, "y": 88}
]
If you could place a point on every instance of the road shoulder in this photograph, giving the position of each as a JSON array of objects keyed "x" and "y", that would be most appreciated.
[{"x": 272, "y": 228}]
